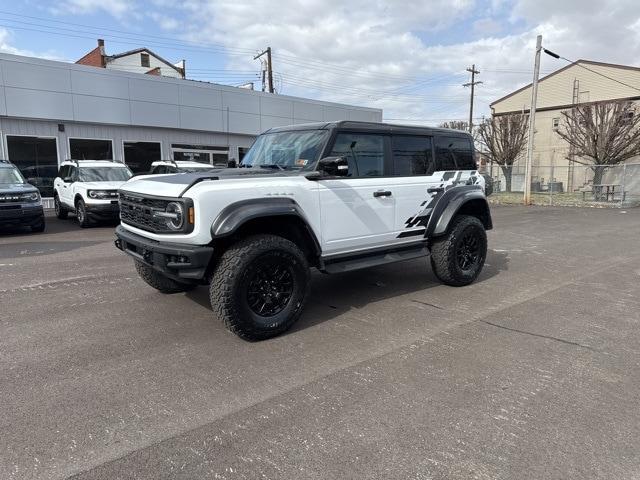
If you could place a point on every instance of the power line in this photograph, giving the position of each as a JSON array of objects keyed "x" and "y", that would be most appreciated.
[
  {"x": 125, "y": 32},
  {"x": 593, "y": 71}
]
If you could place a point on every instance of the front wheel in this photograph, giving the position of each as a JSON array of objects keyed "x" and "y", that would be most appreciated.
[
  {"x": 457, "y": 258},
  {"x": 259, "y": 286},
  {"x": 39, "y": 227},
  {"x": 81, "y": 214},
  {"x": 158, "y": 281}
]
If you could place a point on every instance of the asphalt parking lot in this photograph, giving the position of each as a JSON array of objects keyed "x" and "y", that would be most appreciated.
[{"x": 530, "y": 373}]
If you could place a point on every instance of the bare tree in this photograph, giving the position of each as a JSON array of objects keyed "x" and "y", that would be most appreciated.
[
  {"x": 456, "y": 125},
  {"x": 504, "y": 138},
  {"x": 601, "y": 134}
]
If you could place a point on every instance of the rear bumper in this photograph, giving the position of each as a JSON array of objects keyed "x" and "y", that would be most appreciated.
[
  {"x": 178, "y": 261},
  {"x": 21, "y": 215}
]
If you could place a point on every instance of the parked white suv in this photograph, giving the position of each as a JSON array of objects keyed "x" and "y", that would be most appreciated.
[
  {"x": 163, "y": 167},
  {"x": 90, "y": 189},
  {"x": 335, "y": 196}
]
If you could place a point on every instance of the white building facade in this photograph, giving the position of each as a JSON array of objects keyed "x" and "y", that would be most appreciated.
[{"x": 51, "y": 111}]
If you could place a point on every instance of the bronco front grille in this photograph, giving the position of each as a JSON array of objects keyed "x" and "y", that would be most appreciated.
[{"x": 137, "y": 211}]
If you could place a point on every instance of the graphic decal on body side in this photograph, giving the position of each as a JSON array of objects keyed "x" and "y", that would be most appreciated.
[{"x": 447, "y": 181}]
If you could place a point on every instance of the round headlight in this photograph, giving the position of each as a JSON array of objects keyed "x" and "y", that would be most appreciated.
[{"x": 176, "y": 219}]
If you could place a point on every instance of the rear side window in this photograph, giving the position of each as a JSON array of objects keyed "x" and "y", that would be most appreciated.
[
  {"x": 364, "y": 152},
  {"x": 412, "y": 155},
  {"x": 454, "y": 153}
]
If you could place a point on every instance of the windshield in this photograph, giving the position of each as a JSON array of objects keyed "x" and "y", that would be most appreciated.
[
  {"x": 10, "y": 176},
  {"x": 286, "y": 150},
  {"x": 102, "y": 174}
]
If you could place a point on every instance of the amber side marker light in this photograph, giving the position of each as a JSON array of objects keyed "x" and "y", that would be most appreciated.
[{"x": 191, "y": 216}]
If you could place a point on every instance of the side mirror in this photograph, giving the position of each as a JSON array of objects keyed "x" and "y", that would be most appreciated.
[
  {"x": 232, "y": 163},
  {"x": 334, "y": 166},
  {"x": 67, "y": 180}
]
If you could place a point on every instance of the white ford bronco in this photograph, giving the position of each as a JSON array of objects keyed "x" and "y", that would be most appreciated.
[
  {"x": 90, "y": 189},
  {"x": 335, "y": 196}
]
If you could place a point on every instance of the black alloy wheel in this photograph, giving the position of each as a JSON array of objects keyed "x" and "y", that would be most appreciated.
[
  {"x": 468, "y": 249},
  {"x": 270, "y": 287}
]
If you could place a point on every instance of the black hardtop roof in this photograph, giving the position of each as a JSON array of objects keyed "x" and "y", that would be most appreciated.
[{"x": 371, "y": 127}]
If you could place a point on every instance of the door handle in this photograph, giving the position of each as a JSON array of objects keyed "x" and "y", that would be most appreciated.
[
  {"x": 435, "y": 190},
  {"x": 382, "y": 193}
]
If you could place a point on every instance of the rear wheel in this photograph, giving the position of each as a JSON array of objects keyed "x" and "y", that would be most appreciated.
[
  {"x": 458, "y": 257},
  {"x": 259, "y": 286},
  {"x": 160, "y": 282},
  {"x": 61, "y": 212}
]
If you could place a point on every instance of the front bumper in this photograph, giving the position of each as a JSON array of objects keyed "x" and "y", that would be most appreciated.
[
  {"x": 178, "y": 261},
  {"x": 103, "y": 210},
  {"x": 21, "y": 214}
]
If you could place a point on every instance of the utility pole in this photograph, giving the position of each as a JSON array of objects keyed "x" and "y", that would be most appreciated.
[
  {"x": 471, "y": 84},
  {"x": 269, "y": 69},
  {"x": 532, "y": 123}
]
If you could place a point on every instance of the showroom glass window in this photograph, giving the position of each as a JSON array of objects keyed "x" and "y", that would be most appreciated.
[
  {"x": 37, "y": 159},
  {"x": 90, "y": 149},
  {"x": 140, "y": 155}
]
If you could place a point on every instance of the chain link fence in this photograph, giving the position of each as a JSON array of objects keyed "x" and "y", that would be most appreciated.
[{"x": 572, "y": 185}]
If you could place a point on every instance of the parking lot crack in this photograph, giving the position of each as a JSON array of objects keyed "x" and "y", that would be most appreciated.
[{"x": 539, "y": 335}]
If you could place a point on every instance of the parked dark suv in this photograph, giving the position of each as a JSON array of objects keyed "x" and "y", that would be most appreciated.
[{"x": 20, "y": 202}]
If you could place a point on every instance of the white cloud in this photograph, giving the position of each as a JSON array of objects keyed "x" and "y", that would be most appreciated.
[
  {"x": 367, "y": 51},
  {"x": 120, "y": 9},
  {"x": 6, "y": 46},
  {"x": 165, "y": 22}
]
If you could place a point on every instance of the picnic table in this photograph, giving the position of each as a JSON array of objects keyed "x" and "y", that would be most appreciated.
[{"x": 605, "y": 192}]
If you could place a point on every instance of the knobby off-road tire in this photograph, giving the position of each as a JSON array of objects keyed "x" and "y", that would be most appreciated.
[
  {"x": 81, "y": 214},
  {"x": 61, "y": 212},
  {"x": 259, "y": 286},
  {"x": 457, "y": 258},
  {"x": 158, "y": 281}
]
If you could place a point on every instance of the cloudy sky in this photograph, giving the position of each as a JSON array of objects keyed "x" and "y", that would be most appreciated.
[{"x": 408, "y": 58}]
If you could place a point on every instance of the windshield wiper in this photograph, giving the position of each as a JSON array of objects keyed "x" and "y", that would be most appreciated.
[{"x": 272, "y": 165}]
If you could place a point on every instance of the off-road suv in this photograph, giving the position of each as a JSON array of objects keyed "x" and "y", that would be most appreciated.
[
  {"x": 89, "y": 188},
  {"x": 335, "y": 196},
  {"x": 20, "y": 202}
]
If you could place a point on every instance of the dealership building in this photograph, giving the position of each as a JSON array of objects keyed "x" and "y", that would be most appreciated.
[{"x": 51, "y": 111}]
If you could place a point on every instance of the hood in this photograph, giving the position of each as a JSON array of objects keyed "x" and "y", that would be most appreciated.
[
  {"x": 110, "y": 185},
  {"x": 175, "y": 185},
  {"x": 17, "y": 188}
]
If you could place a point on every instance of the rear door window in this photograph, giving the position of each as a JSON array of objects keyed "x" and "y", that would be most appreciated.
[
  {"x": 412, "y": 155},
  {"x": 454, "y": 153}
]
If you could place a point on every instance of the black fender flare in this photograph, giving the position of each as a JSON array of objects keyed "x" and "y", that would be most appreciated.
[
  {"x": 236, "y": 214},
  {"x": 450, "y": 203}
]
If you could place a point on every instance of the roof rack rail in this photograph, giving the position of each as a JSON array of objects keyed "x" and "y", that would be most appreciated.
[{"x": 77, "y": 161}]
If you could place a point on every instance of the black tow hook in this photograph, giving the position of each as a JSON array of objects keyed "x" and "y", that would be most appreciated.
[{"x": 118, "y": 243}]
